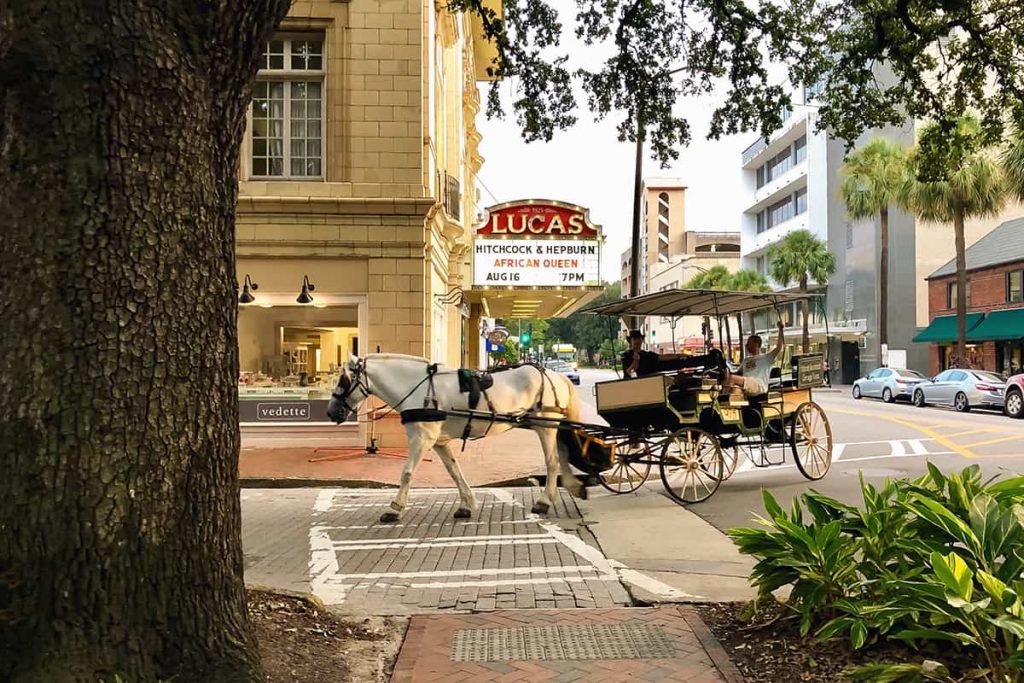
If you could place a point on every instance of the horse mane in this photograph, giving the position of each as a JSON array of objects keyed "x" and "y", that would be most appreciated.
[
  {"x": 397, "y": 356},
  {"x": 403, "y": 356}
]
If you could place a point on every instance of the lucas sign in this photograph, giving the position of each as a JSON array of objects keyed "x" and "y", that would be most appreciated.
[{"x": 537, "y": 243}]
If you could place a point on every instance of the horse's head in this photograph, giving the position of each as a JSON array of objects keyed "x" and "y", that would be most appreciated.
[{"x": 351, "y": 390}]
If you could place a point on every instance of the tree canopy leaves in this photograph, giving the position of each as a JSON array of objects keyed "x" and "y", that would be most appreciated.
[{"x": 870, "y": 63}]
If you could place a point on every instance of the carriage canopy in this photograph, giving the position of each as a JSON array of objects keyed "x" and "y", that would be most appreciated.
[{"x": 697, "y": 302}]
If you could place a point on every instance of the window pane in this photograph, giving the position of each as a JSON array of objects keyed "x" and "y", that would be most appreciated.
[
  {"x": 273, "y": 55},
  {"x": 800, "y": 149},
  {"x": 307, "y": 54},
  {"x": 298, "y": 148},
  {"x": 800, "y": 200},
  {"x": 268, "y": 128},
  {"x": 298, "y": 128}
]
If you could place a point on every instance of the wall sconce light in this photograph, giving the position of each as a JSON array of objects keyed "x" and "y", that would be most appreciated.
[
  {"x": 455, "y": 297},
  {"x": 248, "y": 287},
  {"x": 304, "y": 296}
]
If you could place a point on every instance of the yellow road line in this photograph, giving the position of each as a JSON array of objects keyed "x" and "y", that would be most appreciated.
[
  {"x": 974, "y": 431},
  {"x": 1000, "y": 440},
  {"x": 927, "y": 431}
]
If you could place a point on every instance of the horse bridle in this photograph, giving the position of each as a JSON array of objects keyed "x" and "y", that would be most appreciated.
[{"x": 347, "y": 385}]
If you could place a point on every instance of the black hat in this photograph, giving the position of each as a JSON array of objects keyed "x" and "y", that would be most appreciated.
[{"x": 635, "y": 334}]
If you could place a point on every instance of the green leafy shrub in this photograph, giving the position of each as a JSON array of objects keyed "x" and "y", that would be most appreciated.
[{"x": 934, "y": 560}]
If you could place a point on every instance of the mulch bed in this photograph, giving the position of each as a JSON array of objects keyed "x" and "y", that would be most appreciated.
[
  {"x": 766, "y": 652},
  {"x": 300, "y": 643}
]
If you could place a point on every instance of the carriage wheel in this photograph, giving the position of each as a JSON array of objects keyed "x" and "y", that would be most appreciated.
[
  {"x": 691, "y": 465},
  {"x": 811, "y": 441},
  {"x": 730, "y": 459},
  {"x": 630, "y": 469}
]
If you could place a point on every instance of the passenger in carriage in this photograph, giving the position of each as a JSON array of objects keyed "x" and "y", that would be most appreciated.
[{"x": 756, "y": 368}]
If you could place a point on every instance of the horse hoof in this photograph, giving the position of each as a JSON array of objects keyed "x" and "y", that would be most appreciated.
[
  {"x": 389, "y": 517},
  {"x": 463, "y": 513},
  {"x": 582, "y": 493},
  {"x": 540, "y": 508}
]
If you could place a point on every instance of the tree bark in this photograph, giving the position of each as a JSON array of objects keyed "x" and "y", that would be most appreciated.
[
  {"x": 961, "y": 284},
  {"x": 806, "y": 340},
  {"x": 883, "y": 279},
  {"x": 120, "y": 549}
]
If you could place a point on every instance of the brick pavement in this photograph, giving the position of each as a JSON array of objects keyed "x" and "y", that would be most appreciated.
[
  {"x": 515, "y": 454},
  {"x": 561, "y": 646},
  {"x": 504, "y": 557}
]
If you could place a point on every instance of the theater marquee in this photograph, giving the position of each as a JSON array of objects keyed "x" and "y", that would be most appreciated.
[{"x": 537, "y": 243}]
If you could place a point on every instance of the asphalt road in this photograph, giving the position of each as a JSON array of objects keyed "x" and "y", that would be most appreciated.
[{"x": 871, "y": 438}]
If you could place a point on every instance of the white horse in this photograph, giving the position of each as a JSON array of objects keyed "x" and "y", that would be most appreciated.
[{"x": 404, "y": 383}]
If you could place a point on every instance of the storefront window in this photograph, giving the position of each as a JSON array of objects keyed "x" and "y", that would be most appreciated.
[{"x": 289, "y": 360}]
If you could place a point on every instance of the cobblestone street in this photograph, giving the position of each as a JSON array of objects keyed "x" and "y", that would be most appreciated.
[{"x": 503, "y": 558}]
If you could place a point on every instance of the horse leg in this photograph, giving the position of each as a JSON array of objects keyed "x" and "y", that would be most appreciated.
[
  {"x": 548, "y": 438},
  {"x": 419, "y": 437},
  {"x": 570, "y": 481},
  {"x": 466, "y": 496}
]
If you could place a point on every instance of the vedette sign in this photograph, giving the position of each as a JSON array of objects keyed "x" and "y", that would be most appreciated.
[
  {"x": 282, "y": 411},
  {"x": 537, "y": 243}
]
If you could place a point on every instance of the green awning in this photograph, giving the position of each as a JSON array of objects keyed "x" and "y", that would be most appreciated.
[
  {"x": 999, "y": 326},
  {"x": 943, "y": 329}
]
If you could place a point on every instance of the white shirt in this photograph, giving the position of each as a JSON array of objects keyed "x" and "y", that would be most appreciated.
[{"x": 759, "y": 367}]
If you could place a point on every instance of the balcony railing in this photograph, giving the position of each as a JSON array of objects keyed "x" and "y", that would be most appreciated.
[
  {"x": 451, "y": 195},
  {"x": 754, "y": 149}
]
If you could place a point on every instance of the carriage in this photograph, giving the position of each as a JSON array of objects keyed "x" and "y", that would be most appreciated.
[{"x": 685, "y": 426}]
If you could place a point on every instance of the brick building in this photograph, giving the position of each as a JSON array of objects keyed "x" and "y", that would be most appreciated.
[{"x": 995, "y": 304}]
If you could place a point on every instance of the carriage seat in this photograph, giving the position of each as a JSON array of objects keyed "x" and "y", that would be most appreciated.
[{"x": 474, "y": 382}]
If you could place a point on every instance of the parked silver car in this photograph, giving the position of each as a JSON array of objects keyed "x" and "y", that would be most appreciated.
[
  {"x": 888, "y": 384},
  {"x": 962, "y": 389}
]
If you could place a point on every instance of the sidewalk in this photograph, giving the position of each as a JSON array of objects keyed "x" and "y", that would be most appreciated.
[
  {"x": 592, "y": 645},
  {"x": 514, "y": 455}
]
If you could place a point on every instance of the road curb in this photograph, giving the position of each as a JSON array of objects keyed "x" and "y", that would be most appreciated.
[
  {"x": 719, "y": 657},
  {"x": 302, "y": 482}
]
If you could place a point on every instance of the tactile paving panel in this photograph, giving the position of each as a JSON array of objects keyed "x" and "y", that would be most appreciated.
[{"x": 569, "y": 642}]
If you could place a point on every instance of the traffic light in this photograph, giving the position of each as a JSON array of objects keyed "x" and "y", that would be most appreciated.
[{"x": 526, "y": 337}]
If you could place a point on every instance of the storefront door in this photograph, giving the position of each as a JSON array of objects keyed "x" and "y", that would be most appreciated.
[{"x": 850, "y": 362}]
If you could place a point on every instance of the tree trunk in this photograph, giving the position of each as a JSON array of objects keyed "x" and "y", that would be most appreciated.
[
  {"x": 120, "y": 549},
  {"x": 883, "y": 279},
  {"x": 806, "y": 340},
  {"x": 961, "y": 284}
]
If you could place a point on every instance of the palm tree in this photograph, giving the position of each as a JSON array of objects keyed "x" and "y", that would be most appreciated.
[
  {"x": 951, "y": 178},
  {"x": 715, "y": 277},
  {"x": 872, "y": 179},
  {"x": 799, "y": 258},
  {"x": 746, "y": 280},
  {"x": 1013, "y": 164}
]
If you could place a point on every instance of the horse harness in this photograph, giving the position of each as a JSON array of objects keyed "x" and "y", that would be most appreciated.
[{"x": 471, "y": 382}]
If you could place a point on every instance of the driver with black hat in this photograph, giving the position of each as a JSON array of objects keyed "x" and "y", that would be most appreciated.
[{"x": 636, "y": 362}]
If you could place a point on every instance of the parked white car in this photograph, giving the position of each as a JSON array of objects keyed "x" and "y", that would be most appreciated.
[
  {"x": 962, "y": 389},
  {"x": 888, "y": 384}
]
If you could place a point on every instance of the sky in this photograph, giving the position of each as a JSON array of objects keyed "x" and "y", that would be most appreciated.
[{"x": 588, "y": 166}]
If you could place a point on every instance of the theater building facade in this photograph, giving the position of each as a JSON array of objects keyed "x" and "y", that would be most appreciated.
[{"x": 357, "y": 197}]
